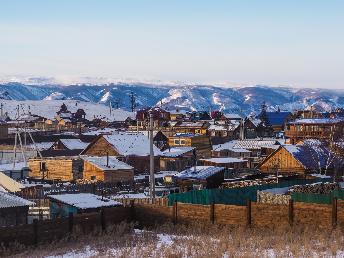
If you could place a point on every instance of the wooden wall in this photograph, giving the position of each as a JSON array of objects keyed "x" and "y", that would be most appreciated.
[
  {"x": 64, "y": 169},
  {"x": 284, "y": 161},
  {"x": 101, "y": 147}
]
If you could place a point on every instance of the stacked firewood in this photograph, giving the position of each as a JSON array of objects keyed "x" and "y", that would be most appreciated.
[
  {"x": 247, "y": 183},
  {"x": 271, "y": 198},
  {"x": 317, "y": 188}
]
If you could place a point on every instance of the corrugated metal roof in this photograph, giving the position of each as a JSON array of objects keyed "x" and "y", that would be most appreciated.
[{"x": 9, "y": 200}]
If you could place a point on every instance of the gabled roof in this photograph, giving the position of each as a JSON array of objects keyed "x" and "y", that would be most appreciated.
[
  {"x": 9, "y": 184},
  {"x": 255, "y": 144},
  {"x": 85, "y": 200},
  {"x": 101, "y": 162},
  {"x": 224, "y": 160},
  {"x": 74, "y": 144},
  {"x": 317, "y": 121},
  {"x": 177, "y": 151},
  {"x": 277, "y": 118},
  {"x": 135, "y": 144},
  {"x": 229, "y": 146},
  {"x": 9, "y": 200},
  {"x": 202, "y": 172}
]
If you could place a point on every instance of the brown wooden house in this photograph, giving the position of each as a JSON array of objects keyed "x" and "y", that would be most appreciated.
[
  {"x": 56, "y": 168},
  {"x": 106, "y": 169},
  {"x": 200, "y": 142},
  {"x": 131, "y": 148},
  {"x": 177, "y": 159}
]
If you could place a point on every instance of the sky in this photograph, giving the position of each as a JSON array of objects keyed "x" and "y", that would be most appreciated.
[{"x": 279, "y": 43}]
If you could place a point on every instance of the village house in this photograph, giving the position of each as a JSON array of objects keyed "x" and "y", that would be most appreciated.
[
  {"x": 132, "y": 148},
  {"x": 160, "y": 118},
  {"x": 177, "y": 158},
  {"x": 200, "y": 177},
  {"x": 177, "y": 115},
  {"x": 63, "y": 204},
  {"x": 106, "y": 169},
  {"x": 199, "y": 127},
  {"x": 65, "y": 147},
  {"x": 200, "y": 142},
  {"x": 56, "y": 168},
  {"x": 13, "y": 209},
  {"x": 277, "y": 120},
  {"x": 228, "y": 150},
  {"x": 319, "y": 128},
  {"x": 299, "y": 159}
]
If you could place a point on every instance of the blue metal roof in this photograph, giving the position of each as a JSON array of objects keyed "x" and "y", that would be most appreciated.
[{"x": 277, "y": 118}]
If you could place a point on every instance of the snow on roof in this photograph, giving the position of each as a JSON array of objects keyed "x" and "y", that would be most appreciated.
[
  {"x": 9, "y": 200},
  {"x": 229, "y": 146},
  {"x": 282, "y": 190},
  {"x": 41, "y": 145},
  {"x": 255, "y": 144},
  {"x": 9, "y": 166},
  {"x": 202, "y": 172},
  {"x": 232, "y": 116},
  {"x": 224, "y": 160},
  {"x": 74, "y": 144},
  {"x": 135, "y": 144},
  {"x": 317, "y": 121},
  {"x": 85, "y": 200},
  {"x": 191, "y": 124},
  {"x": 218, "y": 127},
  {"x": 100, "y": 162},
  {"x": 9, "y": 184},
  {"x": 130, "y": 196},
  {"x": 177, "y": 151}
]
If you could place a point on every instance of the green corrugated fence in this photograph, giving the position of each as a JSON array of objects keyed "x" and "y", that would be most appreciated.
[
  {"x": 318, "y": 198},
  {"x": 233, "y": 196}
]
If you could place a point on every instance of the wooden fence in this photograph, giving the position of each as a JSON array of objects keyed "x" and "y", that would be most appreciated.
[
  {"x": 253, "y": 214},
  {"x": 50, "y": 230}
]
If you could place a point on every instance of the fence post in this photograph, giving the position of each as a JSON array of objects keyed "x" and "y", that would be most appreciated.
[
  {"x": 334, "y": 212},
  {"x": 70, "y": 222},
  {"x": 35, "y": 231},
  {"x": 248, "y": 213},
  {"x": 212, "y": 213},
  {"x": 132, "y": 210},
  {"x": 175, "y": 213},
  {"x": 291, "y": 212},
  {"x": 102, "y": 219}
]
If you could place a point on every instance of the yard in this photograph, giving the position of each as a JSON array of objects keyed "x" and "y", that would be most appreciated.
[{"x": 125, "y": 240}]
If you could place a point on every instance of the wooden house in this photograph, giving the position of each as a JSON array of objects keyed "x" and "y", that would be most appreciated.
[
  {"x": 63, "y": 204},
  {"x": 299, "y": 159},
  {"x": 160, "y": 118},
  {"x": 228, "y": 149},
  {"x": 199, "y": 127},
  {"x": 13, "y": 210},
  {"x": 278, "y": 119},
  {"x": 177, "y": 158},
  {"x": 65, "y": 147},
  {"x": 177, "y": 115},
  {"x": 132, "y": 148},
  {"x": 319, "y": 128},
  {"x": 200, "y": 142},
  {"x": 106, "y": 169},
  {"x": 56, "y": 168}
]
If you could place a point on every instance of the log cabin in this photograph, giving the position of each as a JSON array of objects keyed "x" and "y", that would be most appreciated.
[
  {"x": 299, "y": 159},
  {"x": 131, "y": 148},
  {"x": 225, "y": 162},
  {"x": 199, "y": 127},
  {"x": 106, "y": 169},
  {"x": 56, "y": 168}
]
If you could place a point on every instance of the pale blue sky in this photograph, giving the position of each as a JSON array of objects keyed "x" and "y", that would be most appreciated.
[{"x": 297, "y": 43}]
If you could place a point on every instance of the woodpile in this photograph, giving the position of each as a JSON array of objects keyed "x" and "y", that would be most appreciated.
[
  {"x": 246, "y": 183},
  {"x": 271, "y": 198},
  {"x": 318, "y": 188}
]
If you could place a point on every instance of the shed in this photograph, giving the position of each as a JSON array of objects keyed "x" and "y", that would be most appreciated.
[{"x": 63, "y": 204}]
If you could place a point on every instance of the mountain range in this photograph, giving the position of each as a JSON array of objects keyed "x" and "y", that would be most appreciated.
[{"x": 244, "y": 99}]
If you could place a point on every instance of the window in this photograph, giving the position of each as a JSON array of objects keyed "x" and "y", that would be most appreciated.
[
  {"x": 43, "y": 166},
  {"x": 176, "y": 142},
  {"x": 93, "y": 177}
]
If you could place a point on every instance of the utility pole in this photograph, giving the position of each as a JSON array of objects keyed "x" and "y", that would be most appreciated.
[
  {"x": 151, "y": 157},
  {"x": 132, "y": 101}
]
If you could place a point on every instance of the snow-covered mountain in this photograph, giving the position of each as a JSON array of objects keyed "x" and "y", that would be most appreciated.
[{"x": 170, "y": 96}]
